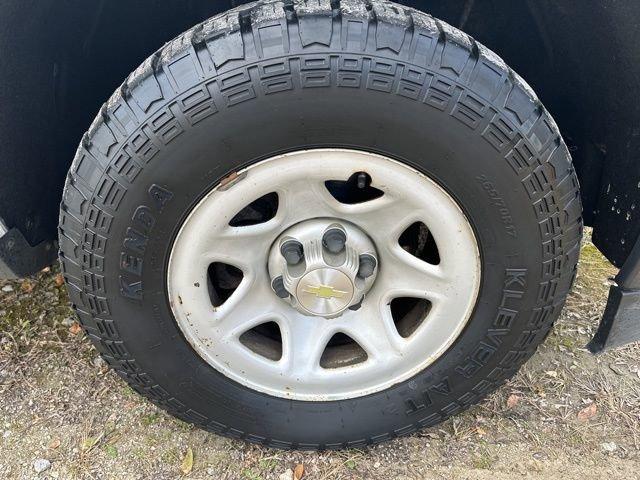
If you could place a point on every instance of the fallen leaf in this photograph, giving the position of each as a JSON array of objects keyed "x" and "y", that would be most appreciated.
[
  {"x": 55, "y": 443},
  {"x": 75, "y": 328},
  {"x": 27, "y": 286},
  {"x": 298, "y": 472},
  {"x": 587, "y": 412},
  {"x": 59, "y": 279},
  {"x": 187, "y": 462},
  {"x": 513, "y": 400}
]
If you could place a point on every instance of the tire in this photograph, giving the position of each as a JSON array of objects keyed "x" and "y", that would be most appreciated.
[{"x": 280, "y": 76}]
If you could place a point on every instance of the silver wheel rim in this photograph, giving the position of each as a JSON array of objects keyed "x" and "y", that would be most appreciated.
[{"x": 451, "y": 287}]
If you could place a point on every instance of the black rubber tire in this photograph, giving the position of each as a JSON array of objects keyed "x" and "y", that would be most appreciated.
[{"x": 277, "y": 76}]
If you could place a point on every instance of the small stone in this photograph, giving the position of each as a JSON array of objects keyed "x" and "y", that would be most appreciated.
[
  {"x": 7, "y": 288},
  {"x": 609, "y": 447},
  {"x": 98, "y": 362},
  {"x": 67, "y": 322},
  {"x": 41, "y": 464},
  {"x": 288, "y": 475}
]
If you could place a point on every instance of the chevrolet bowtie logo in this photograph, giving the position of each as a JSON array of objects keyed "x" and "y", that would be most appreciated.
[{"x": 324, "y": 291}]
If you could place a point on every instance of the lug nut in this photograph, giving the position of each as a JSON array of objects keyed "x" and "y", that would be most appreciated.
[
  {"x": 278, "y": 286},
  {"x": 334, "y": 239},
  {"x": 367, "y": 266},
  {"x": 362, "y": 180},
  {"x": 292, "y": 251}
]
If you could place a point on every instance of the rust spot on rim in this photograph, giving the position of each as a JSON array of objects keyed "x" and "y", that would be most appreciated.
[{"x": 230, "y": 180}]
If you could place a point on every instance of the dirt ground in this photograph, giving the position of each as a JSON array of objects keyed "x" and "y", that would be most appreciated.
[{"x": 566, "y": 415}]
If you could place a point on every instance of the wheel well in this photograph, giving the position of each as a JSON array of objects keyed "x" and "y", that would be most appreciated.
[{"x": 57, "y": 74}]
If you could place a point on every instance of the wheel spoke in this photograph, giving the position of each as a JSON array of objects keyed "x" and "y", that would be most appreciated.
[
  {"x": 381, "y": 218},
  {"x": 403, "y": 275},
  {"x": 242, "y": 247},
  {"x": 306, "y": 198},
  {"x": 373, "y": 329},
  {"x": 251, "y": 304},
  {"x": 304, "y": 340}
]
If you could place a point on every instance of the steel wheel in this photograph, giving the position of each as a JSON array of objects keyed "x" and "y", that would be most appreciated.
[{"x": 234, "y": 292}]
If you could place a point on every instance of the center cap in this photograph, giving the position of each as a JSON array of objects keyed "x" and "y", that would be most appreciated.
[
  {"x": 325, "y": 291},
  {"x": 323, "y": 267}
]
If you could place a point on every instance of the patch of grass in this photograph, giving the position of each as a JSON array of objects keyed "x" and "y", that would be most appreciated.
[
  {"x": 150, "y": 419},
  {"x": 483, "y": 460},
  {"x": 251, "y": 474},
  {"x": 139, "y": 453},
  {"x": 170, "y": 455},
  {"x": 268, "y": 463},
  {"x": 350, "y": 464},
  {"x": 184, "y": 426},
  {"x": 111, "y": 451},
  {"x": 127, "y": 391}
]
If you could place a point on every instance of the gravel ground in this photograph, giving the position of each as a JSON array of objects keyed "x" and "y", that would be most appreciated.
[{"x": 64, "y": 415}]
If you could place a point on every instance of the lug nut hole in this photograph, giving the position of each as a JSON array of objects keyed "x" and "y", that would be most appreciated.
[
  {"x": 278, "y": 286},
  {"x": 368, "y": 265}
]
